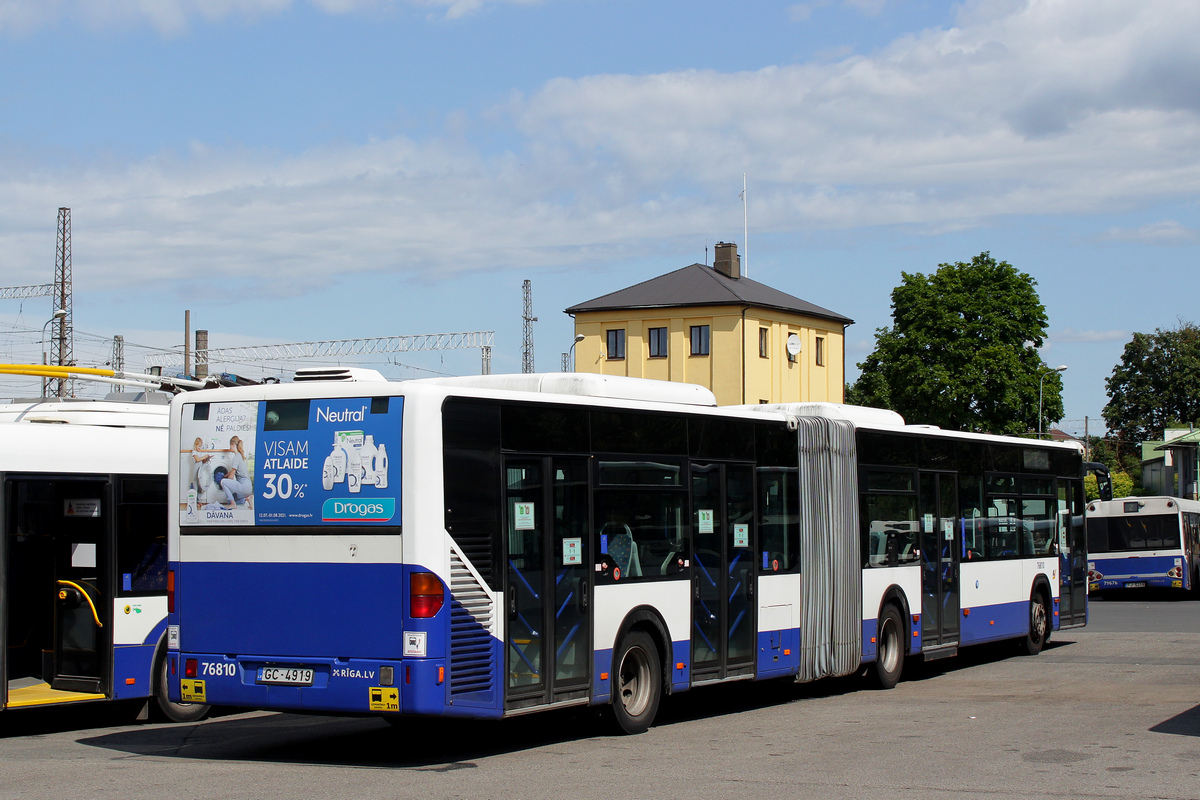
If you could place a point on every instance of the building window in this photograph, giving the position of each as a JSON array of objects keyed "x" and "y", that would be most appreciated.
[
  {"x": 764, "y": 342},
  {"x": 819, "y": 351},
  {"x": 699, "y": 340},
  {"x": 616, "y": 343},
  {"x": 658, "y": 342}
]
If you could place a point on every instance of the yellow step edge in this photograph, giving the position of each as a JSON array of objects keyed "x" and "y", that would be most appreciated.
[{"x": 42, "y": 695}]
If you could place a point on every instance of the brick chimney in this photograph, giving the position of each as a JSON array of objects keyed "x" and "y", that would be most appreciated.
[{"x": 726, "y": 260}]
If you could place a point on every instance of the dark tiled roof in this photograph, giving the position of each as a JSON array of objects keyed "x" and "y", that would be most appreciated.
[{"x": 698, "y": 285}]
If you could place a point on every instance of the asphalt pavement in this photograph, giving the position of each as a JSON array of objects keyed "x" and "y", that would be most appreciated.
[{"x": 1107, "y": 711}]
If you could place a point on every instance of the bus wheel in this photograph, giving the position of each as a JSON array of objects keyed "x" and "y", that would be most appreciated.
[
  {"x": 167, "y": 709},
  {"x": 889, "y": 658},
  {"x": 1039, "y": 625},
  {"x": 638, "y": 679}
]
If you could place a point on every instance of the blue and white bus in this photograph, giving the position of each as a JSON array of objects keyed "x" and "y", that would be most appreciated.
[
  {"x": 493, "y": 546},
  {"x": 83, "y": 555},
  {"x": 1144, "y": 542}
]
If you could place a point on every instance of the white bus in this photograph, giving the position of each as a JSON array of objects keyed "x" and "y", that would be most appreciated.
[
  {"x": 83, "y": 554},
  {"x": 492, "y": 546},
  {"x": 1144, "y": 542}
]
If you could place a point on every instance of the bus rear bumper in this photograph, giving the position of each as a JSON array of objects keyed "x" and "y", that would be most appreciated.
[{"x": 368, "y": 686}]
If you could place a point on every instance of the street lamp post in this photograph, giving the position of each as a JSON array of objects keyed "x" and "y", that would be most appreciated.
[
  {"x": 59, "y": 313},
  {"x": 571, "y": 350},
  {"x": 1041, "y": 381}
]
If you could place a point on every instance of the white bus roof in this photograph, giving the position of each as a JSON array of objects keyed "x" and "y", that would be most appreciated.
[
  {"x": 576, "y": 387},
  {"x": 859, "y": 415},
  {"x": 88, "y": 412},
  {"x": 1161, "y": 504},
  {"x": 82, "y": 449},
  {"x": 582, "y": 384}
]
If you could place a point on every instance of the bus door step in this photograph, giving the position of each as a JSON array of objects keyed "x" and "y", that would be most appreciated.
[{"x": 941, "y": 651}]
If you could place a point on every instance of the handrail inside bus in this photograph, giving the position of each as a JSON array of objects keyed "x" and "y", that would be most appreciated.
[{"x": 87, "y": 597}]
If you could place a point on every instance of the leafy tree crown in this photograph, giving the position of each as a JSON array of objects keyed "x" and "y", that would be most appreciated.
[{"x": 962, "y": 351}]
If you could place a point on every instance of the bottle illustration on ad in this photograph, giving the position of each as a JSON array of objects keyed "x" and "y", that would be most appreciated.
[{"x": 356, "y": 462}]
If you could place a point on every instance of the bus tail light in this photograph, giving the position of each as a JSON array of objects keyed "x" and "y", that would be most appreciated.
[
  {"x": 170, "y": 591},
  {"x": 190, "y": 668},
  {"x": 425, "y": 595}
]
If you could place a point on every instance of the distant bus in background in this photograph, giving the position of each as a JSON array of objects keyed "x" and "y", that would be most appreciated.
[{"x": 1143, "y": 542}]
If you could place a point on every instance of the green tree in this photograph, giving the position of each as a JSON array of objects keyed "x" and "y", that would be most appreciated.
[
  {"x": 1108, "y": 453},
  {"x": 962, "y": 351},
  {"x": 1156, "y": 385}
]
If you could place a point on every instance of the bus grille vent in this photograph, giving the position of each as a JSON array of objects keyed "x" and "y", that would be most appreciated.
[{"x": 472, "y": 622}]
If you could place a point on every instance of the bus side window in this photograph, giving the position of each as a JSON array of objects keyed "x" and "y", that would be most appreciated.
[
  {"x": 779, "y": 519},
  {"x": 1003, "y": 523},
  {"x": 142, "y": 536},
  {"x": 891, "y": 522},
  {"x": 640, "y": 532},
  {"x": 970, "y": 512}
]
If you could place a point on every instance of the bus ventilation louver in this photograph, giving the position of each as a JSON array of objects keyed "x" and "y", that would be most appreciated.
[
  {"x": 351, "y": 374},
  {"x": 471, "y": 631}
]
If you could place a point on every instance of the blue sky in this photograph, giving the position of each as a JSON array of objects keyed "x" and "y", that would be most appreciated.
[{"x": 294, "y": 170}]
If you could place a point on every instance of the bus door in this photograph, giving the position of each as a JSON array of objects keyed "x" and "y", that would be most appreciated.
[
  {"x": 57, "y": 583},
  {"x": 1072, "y": 554},
  {"x": 723, "y": 546},
  {"x": 941, "y": 545},
  {"x": 547, "y": 580}
]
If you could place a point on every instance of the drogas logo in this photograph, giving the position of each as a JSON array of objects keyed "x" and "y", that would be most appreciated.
[{"x": 380, "y": 510}]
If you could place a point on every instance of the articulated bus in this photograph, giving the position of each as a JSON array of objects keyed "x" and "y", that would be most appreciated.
[
  {"x": 83, "y": 555},
  {"x": 1141, "y": 542},
  {"x": 497, "y": 545}
]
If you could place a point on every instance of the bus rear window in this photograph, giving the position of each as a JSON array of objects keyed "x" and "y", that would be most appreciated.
[
  {"x": 287, "y": 415},
  {"x": 1152, "y": 532}
]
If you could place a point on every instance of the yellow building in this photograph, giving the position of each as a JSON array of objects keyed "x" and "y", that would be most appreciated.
[{"x": 745, "y": 341}]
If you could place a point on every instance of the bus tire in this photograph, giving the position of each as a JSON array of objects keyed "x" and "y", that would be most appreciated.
[
  {"x": 889, "y": 655},
  {"x": 637, "y": 682},
  {"x": 167, "y": 709},
  {"x": 1039, "y": 624}
]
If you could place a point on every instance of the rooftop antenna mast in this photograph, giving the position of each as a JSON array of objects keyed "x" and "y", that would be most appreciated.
[
  {"x": 745, "y": 232},
  {"x": 527, "y": 330},
  {"x": 63, "y": 327}
]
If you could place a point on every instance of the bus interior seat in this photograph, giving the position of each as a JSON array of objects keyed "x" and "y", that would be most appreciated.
[{"x": 623, "y": 548}]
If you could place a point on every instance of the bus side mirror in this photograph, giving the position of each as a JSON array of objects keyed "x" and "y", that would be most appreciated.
[{"x": 1103, "y": 478}]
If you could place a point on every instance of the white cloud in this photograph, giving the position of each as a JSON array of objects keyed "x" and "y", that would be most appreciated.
[
  {"x": 1088, "y": 337},
  {"x": 1044, "y": 107},
  {"x": 171, "y": 17},
  {"x": 802, "y": 12},
  {"x": 1007, "y": 117},
  {"x": 1166, "y": 232},
  {"x": 168, "y": 17}
]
